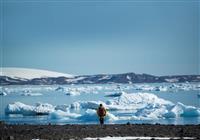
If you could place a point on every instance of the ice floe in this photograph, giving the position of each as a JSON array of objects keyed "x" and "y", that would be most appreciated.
[
  {"x": 140, "y": 106},
  {"x": 77, "y": 90},
  {"x": 20, "y": 108},
  {"x": 3, "y": 93},
  {"x": 172, "y": 87},
  {"x": 115, "y": 89}
]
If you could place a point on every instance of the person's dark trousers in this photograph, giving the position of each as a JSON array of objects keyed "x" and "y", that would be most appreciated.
[{"x": 101, "y": 120}]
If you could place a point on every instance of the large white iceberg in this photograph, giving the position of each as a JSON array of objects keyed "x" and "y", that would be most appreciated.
[
  {"x": 142, "y": 106},
  {"x": 20, "y": 108},
  {"x": 182, "y": 110}
]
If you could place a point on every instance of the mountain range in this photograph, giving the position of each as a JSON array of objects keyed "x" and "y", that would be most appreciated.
[{"x": 22, "y": 76}]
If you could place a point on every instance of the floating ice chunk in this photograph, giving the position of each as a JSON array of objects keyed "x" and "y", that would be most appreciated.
[
  {"x": 68, "y": 91},
  {"x": 20, "y": 108},
  {"x": 144, "y": 87},
  {"x": 111, "y": 117},
  {"x": 89, "y": 115},
  {"x": 72, "y": 93},
  {"x": 75, "y": 105},
  {"x": 170, "y": 114},
  {"x": 184, "y": 86},
  {"x": 3, "y": 93},
  {"x": 190, "y": 111},
  {"x": 182, "y": 110},
  {"x": 142, "y": 106},
  {"x": 135, "y": 99},
  {"x": 59, "y": 114},
  {"x": 186, "y": 111},
  {"x": 62, "y": 89},
  {"x": 26, "y": 91},
  {"x": 86, "y": 104},
  {"x": 42, "y": 109},
  {"x": 115, "y": 94},
  {"x": 63, "y": 107},
  {"x": 161, "y": 88}
]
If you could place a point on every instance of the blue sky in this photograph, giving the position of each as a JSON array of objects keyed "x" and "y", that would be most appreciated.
[{"x": 92, "y": 37}]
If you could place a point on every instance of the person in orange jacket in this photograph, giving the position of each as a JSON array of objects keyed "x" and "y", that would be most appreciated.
[{"x": 101, "y": 112}]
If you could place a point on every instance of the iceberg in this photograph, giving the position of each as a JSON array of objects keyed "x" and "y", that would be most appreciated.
[
  {"x": 181, "y": 110},
  {"x": 20, "y": 108},
  {"x": 43, "y": 108},
  {"x": 161, "y": 88},
  {"x": 144, "y": 87},
  {"x": 75, "y": 90},
  {"x": 60, "y": 89},
  {"x": 73, "y": 93},
  {"x": 63, "y": 107},
  {"x": 136, "y": 100},
  {"x": 2, "y": 93},
  {"x": 117, "y": 94},
  {"x": 86, "y": 104},
  {"x": 88, "y": 116},
  {"x": 59, "y": 114},
  {"x": 142, "y": 106}
]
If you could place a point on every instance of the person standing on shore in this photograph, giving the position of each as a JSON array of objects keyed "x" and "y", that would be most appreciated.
[{"x": 101, "y": 112}]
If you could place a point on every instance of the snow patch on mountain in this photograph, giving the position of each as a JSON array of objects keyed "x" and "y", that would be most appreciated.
[{"x": 26, "y": 73}]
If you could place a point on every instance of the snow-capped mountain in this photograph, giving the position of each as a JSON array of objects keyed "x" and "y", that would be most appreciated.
[
  {"x": 18, "y": 76},
  {"x": 25, "y": 73}
]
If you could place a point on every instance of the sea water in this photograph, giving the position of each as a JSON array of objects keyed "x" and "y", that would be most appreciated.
[{"x": 183, "y": 93}]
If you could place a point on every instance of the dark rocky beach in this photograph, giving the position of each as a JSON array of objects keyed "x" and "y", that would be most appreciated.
[{"x": 65, "y": 132}]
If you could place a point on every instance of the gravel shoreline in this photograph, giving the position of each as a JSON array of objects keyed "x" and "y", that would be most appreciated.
[{"x": 65, "y": 132}]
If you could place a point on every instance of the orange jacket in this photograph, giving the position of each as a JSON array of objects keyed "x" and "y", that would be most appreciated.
[{"x": 101, "y": 112}]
